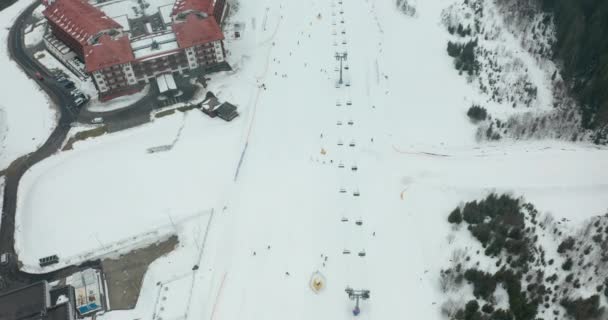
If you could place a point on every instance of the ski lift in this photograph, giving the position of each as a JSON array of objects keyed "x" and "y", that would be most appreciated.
[
  {"x": 342, "y": 190},
  {"x": 338, "y": 103},
  {"x": 352, "y": 143},
  {"x": 356, "y": 193},
  {"x": 344, "y": 219},
  {"x": 359, "y": 222},
  {"x": 356, "y": 295},
  {"x": 343, "y": 41},
  {"x": 345, "y": 251},
  {"x": 346, "y": 67},
  {"x": 342, "y": 21},
  {"x": 333, "y": 32},
  {"x": 349, "y": 102},
  {"x": 362, "y": 253},
  {"x": 354, "y": 168},
  {"x": 351, "y": 122},
  {"x": 339, "y": 123},
  {"x": 340, "y": 165},
  {"x": 340, "y": 143}
]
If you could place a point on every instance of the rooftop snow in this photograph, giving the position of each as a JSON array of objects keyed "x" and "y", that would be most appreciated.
[
  {"x": 123, "y": 20},
  {"x": 143, "y": 47},
  {"x": 116, "y": 8},
  {"x": 165, "y": 13}
]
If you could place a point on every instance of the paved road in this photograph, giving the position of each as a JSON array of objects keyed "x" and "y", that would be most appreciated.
[
  {"x": 6, "y": 3},
  {"x": 139, "y": 112},
  {"x": 11, "y": 274}
]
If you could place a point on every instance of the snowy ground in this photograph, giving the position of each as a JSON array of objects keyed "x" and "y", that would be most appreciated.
[
  {"x": 26, "y": 119},
  {"x": 138, "y": 187},
  {"x": 34, "y": 34},
  {"x": 50, "y": 62},
  {"x": 279, "y": 219}
]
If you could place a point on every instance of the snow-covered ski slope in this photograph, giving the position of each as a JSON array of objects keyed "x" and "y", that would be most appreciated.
[{"x": 281, "y": 218}]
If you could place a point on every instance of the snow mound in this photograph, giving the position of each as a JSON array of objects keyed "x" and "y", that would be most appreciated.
[{"x": 408, "y": 7}]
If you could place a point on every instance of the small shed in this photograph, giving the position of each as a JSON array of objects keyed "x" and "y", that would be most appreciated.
[
  {"x": 209, "y": 106},
  {"x": 227, "y": 111}
]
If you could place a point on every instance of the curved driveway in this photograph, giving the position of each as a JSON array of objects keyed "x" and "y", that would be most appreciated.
[{"x": 11, "y": 274}]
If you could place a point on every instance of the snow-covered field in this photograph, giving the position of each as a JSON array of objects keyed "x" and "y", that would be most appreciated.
[
  {"x": 138, "y": 189},
  {"x": 26, "y": 118},
  {"x": 34, "y": 34},
  {"x": 402, "y": 123}
]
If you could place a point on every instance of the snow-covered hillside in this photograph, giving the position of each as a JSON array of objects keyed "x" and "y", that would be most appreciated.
[
  {"x": 550, "y": 269},
  {"x": 26, "y": 118},
  {"x": 308, "y": 171},
  {"x": 509, "y": 62}
]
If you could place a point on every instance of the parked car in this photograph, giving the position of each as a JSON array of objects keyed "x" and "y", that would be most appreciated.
[
  {"x": 4, "y": 259},
  {"x": 97, "y": 120},
  {"x": 79, "y": 101},
  {"x": 76, "y": 93},
  {"x": 68, "y": 85}
]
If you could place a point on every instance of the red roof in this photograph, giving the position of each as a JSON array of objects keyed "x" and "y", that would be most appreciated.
[
  {"x": 196, "y": 30},
  {"x": 205, "y": 6},
  {"x": 107, "y": 52},
  {"x": 79, "y": 19}
]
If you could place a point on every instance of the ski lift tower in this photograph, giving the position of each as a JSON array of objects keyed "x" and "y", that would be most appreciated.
[
  {"x": 341, "y": 57},
  {"x": 357, "y": 295}
]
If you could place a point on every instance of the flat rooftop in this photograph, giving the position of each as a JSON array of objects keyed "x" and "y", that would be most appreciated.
[
  {"x": 62, "y": 311},
  {"x": 24, "y": 303},
  {"x": 131, "y": 7},
  {"x": 154, "y": 45}
]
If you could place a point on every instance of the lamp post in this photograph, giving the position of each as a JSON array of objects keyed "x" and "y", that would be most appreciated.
[
  {"x": 357, "y": 295},
  {"x": 341, "y": 57}
]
